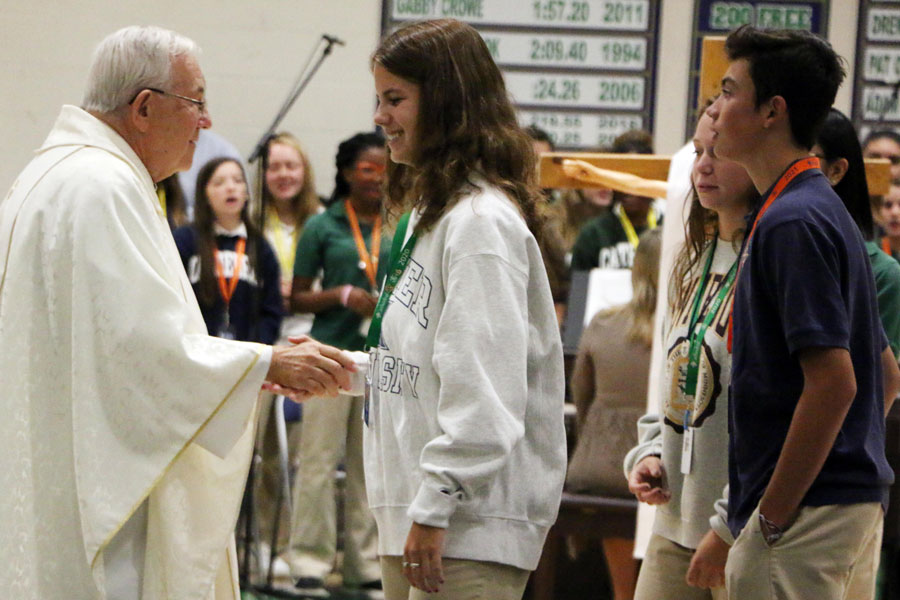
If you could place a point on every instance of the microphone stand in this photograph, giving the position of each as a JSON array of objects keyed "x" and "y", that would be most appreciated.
[
  {"x": 247, "y": 505},
  {"x": 303, "y": 79},
  {"x": 299, "y": 86}
]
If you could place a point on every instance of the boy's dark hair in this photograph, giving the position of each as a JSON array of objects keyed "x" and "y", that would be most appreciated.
[{"x": 796, "y": 65}]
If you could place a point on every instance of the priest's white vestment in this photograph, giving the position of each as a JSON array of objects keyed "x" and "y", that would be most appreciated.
[{"x": 108, "y": 384}]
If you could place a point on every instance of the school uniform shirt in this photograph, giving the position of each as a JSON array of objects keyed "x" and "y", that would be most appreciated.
[
  {"x": 609, "y": 390},
  {"x": 255, "y": 310},
  {"x": 327, "y": 246},
  {"x": 805, "y": 282},
  {"x": 886, "y": 271},
  {"x": 603, "y": 243}
]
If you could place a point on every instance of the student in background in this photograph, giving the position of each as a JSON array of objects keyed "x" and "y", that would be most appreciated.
[
  {"x": 888, "y": 213},
  {"x": 230, "y": 265},
  {"x": 289, "y": 195},
  {"x": 609, "y": 241},
  {"x": 290, "y": 199},
  {"x": 609, "y": 389},
  {"x": 884, "y": 143}
]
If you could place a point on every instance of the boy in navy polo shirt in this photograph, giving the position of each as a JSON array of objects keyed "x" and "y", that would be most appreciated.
[{"x": 811, "y": 370}]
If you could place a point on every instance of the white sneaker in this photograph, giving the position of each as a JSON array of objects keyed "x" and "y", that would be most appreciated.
[{"x": 280, "y": 569}]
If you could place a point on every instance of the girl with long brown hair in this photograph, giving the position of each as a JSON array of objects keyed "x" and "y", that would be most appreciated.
[
  {"x": 609, "y": 390},
  {"x": 465, "y": 447},
  {"x": 230, "y": 265}
]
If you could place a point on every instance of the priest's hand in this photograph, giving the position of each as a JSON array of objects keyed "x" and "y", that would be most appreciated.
[
  {"x": 309, "y": 368},
  {"x": 289, "y": 393}
]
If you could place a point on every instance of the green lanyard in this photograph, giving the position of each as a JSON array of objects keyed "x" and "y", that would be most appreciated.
[
  {"x": 399, "y": 260},
  {"x": 696, "y": 336}
]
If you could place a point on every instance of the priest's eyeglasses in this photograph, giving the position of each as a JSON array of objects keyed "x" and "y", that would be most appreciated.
[{"x": 201, "y": 104}]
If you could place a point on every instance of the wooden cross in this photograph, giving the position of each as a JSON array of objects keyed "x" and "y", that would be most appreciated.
[{"x": 713, "y": 64}]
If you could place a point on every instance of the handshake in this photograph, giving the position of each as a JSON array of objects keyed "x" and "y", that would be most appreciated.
[{"x": 308, "y": 368}]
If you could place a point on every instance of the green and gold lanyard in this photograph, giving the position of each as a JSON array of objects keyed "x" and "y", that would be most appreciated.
[
  {"x": 695, "y": 336},
  {"x": 399, "y": 261}
]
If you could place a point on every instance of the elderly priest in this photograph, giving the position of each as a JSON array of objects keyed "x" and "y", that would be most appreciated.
[{"x": 127, "y": 429}]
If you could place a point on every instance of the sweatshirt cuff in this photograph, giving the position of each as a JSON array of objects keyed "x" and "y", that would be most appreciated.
[
  {"x": 718, "y": 525},
  {"x": 639, "y": 453},
  {"x": 433, "y": 506}
]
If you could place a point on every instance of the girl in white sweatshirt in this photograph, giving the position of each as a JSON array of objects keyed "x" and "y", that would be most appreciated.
[
  {"x": 681, "y": 460},
  {"x": 464, "y": 444}
]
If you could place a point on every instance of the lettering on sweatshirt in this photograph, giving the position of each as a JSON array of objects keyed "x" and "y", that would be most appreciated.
[{"x": 414, "y": 292}]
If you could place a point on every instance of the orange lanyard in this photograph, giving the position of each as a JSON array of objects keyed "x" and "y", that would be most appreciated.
[
  {"x": 886, "y": 246},
  {"x": 228, "y": 288},
  {"x": 368, "y": 260},
  {"x": 795, "y": 169}
]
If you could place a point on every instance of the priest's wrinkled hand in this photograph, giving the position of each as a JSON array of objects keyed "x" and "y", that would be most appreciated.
[
  {"x": 310, "y": 368},
  {"x": 290, "y": 393}
]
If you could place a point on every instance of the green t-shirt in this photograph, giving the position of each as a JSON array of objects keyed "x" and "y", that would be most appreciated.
[
  {"x": 327, "y": 244},
  {"x": 887, "y": 288},
  {"x": 602, "y": 242}
]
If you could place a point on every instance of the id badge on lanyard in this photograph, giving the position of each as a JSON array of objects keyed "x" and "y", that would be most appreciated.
[
  {"x": 370, "y": 395},
  {"x": 687, "y": 444},
  {"x": 227, "y": 331}
]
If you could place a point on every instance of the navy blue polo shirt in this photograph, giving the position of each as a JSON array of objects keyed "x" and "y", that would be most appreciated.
[{"x": 806, "y": 282}]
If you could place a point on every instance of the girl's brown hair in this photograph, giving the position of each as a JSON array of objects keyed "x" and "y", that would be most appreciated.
[
  {"x": 466, "y": 123},
  {"x": 204, "y": 226}
]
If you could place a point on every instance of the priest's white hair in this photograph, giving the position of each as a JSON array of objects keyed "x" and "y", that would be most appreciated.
[{"x": 130, "y": 60}]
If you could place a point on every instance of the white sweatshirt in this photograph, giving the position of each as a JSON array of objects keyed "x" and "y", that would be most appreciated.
[
  {"x": 698, "y": 500},
  {"x": 465, "y": 424}
]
